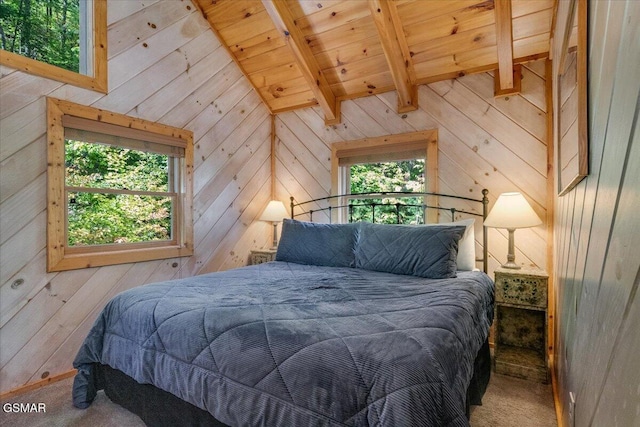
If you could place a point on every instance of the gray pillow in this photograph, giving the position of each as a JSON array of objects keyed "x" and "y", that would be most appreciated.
[
  {"x": 410, "y": 250},
  {"x": 310, "y": 243}
]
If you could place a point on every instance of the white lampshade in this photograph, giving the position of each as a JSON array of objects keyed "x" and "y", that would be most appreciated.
[
  {"x": 512, "y": 211},
  {"x": 274, "y": 212}
]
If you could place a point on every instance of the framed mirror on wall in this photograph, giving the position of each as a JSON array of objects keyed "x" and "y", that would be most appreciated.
[{"x": 572, "y": 104}]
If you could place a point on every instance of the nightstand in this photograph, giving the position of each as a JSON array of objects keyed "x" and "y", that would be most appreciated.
[
  {"x": 259, "y": 256},
  {"x": 520, "y": 343}
]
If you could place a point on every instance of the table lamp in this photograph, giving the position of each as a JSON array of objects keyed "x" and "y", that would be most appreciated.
[
  {"x": 512, "y": 211},
  {"x": 274, "y": 213}
]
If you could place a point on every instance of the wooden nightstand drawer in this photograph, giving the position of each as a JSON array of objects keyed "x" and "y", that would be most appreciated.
[{"x": 528, "y": 287}]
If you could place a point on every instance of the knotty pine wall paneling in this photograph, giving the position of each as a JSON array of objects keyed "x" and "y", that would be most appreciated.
[
  {"x": 165, "y": 65},
  {"x": 484, "y": 142}
]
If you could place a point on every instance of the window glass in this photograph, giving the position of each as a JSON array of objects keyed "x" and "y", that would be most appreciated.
[
  {"x": 62, "y": 40},
  {"x": 45, "y": 30},
  {"x": 139, "y": 202},
  {"x": 396, "y": 176}
]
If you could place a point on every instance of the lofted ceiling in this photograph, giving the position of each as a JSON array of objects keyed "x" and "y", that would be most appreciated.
[{"x": 300, "y": 53}]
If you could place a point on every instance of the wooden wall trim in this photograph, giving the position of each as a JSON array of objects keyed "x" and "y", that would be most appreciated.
[
  {"x": 273, "y": 156},
  {"x": 551, "y": 200},
  {"x": 557, "y": 404},
  {"x": 37, "y": 384}
]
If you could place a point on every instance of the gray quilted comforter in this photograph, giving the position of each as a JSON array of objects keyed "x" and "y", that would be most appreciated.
[{"x": 283, "y": 344}]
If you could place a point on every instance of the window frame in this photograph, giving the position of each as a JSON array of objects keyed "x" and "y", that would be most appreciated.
[
  {"x": 346, "y": 153},
  {"x": 60, "y": 256},
  {"x": 97, "y": 81}
]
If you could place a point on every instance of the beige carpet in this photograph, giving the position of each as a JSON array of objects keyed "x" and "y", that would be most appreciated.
[
  {"x": 511, "y": 402},
  {"x": 508, "y": 402}
]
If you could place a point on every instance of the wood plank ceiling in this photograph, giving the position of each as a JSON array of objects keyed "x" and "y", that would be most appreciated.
[{"x": 300, "y": 53}]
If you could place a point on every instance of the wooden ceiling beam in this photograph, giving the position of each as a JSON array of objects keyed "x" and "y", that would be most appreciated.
[
  {"x": 232, "y": 55},
  {"x": 517, "y": 83},
  {"x": 396, "y": 51},
  {"x": 504, "y": 39},
  {"x": 284, "y": 21}
]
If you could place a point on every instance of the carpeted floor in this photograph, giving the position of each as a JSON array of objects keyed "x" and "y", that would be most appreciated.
[
  {"x": 508, "y": 402},
  {"x": 511, "y": 402}
]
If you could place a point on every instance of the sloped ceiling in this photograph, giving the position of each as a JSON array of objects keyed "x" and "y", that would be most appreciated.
[{"x": 299, "y": 53}]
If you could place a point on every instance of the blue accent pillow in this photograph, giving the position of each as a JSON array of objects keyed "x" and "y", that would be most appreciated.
[
  {"x": 330, "y": 245},
  {"x": 410, "y": 250}
]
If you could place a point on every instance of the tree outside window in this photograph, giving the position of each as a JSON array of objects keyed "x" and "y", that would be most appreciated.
[
  {"x": 45, "y": 30},
  {"x": 64, "y": 40},
  {"x": 398, "y": 176},
  {"x": 117, "y": 195},
  {"x": 406, "y": 162}
]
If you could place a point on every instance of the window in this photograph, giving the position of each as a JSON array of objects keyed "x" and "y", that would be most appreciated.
[
  {"x": 65, "y": 40},
  {"x": 403, "y": 162},
  {"x": 120, "y": 188},
  {"x": 395, "y": 176}
]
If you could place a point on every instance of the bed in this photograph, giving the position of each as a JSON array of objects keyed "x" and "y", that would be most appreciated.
[{"x": 352, "y": 325}]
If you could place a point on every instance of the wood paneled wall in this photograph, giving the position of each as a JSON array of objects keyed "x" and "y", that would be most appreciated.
[
  {"x": 597, "y": 236},
  {"x": 484, "y": 142},
  {"x": 165, "y": 65}
]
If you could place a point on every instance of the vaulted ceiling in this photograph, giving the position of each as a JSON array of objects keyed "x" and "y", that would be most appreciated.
[{"x": 300, "y": 53}]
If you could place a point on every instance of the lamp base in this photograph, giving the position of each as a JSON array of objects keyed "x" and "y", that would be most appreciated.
[
  {"x": 511, "y": 256},
  {"x": 275, "y": 235},
  {"x": 511, "y": 265}
]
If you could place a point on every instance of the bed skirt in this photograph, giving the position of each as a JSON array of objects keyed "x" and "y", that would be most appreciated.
[{"x": 159, "y": 408}]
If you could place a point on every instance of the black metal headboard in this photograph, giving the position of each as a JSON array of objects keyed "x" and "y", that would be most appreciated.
[{"x": 333, "y": 205}]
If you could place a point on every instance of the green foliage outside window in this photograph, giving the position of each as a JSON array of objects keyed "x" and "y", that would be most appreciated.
[
  {"x": 407, "y": 175},
  {"x": 44, "y": 30},
  {"x": 96, "y": 217}
]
